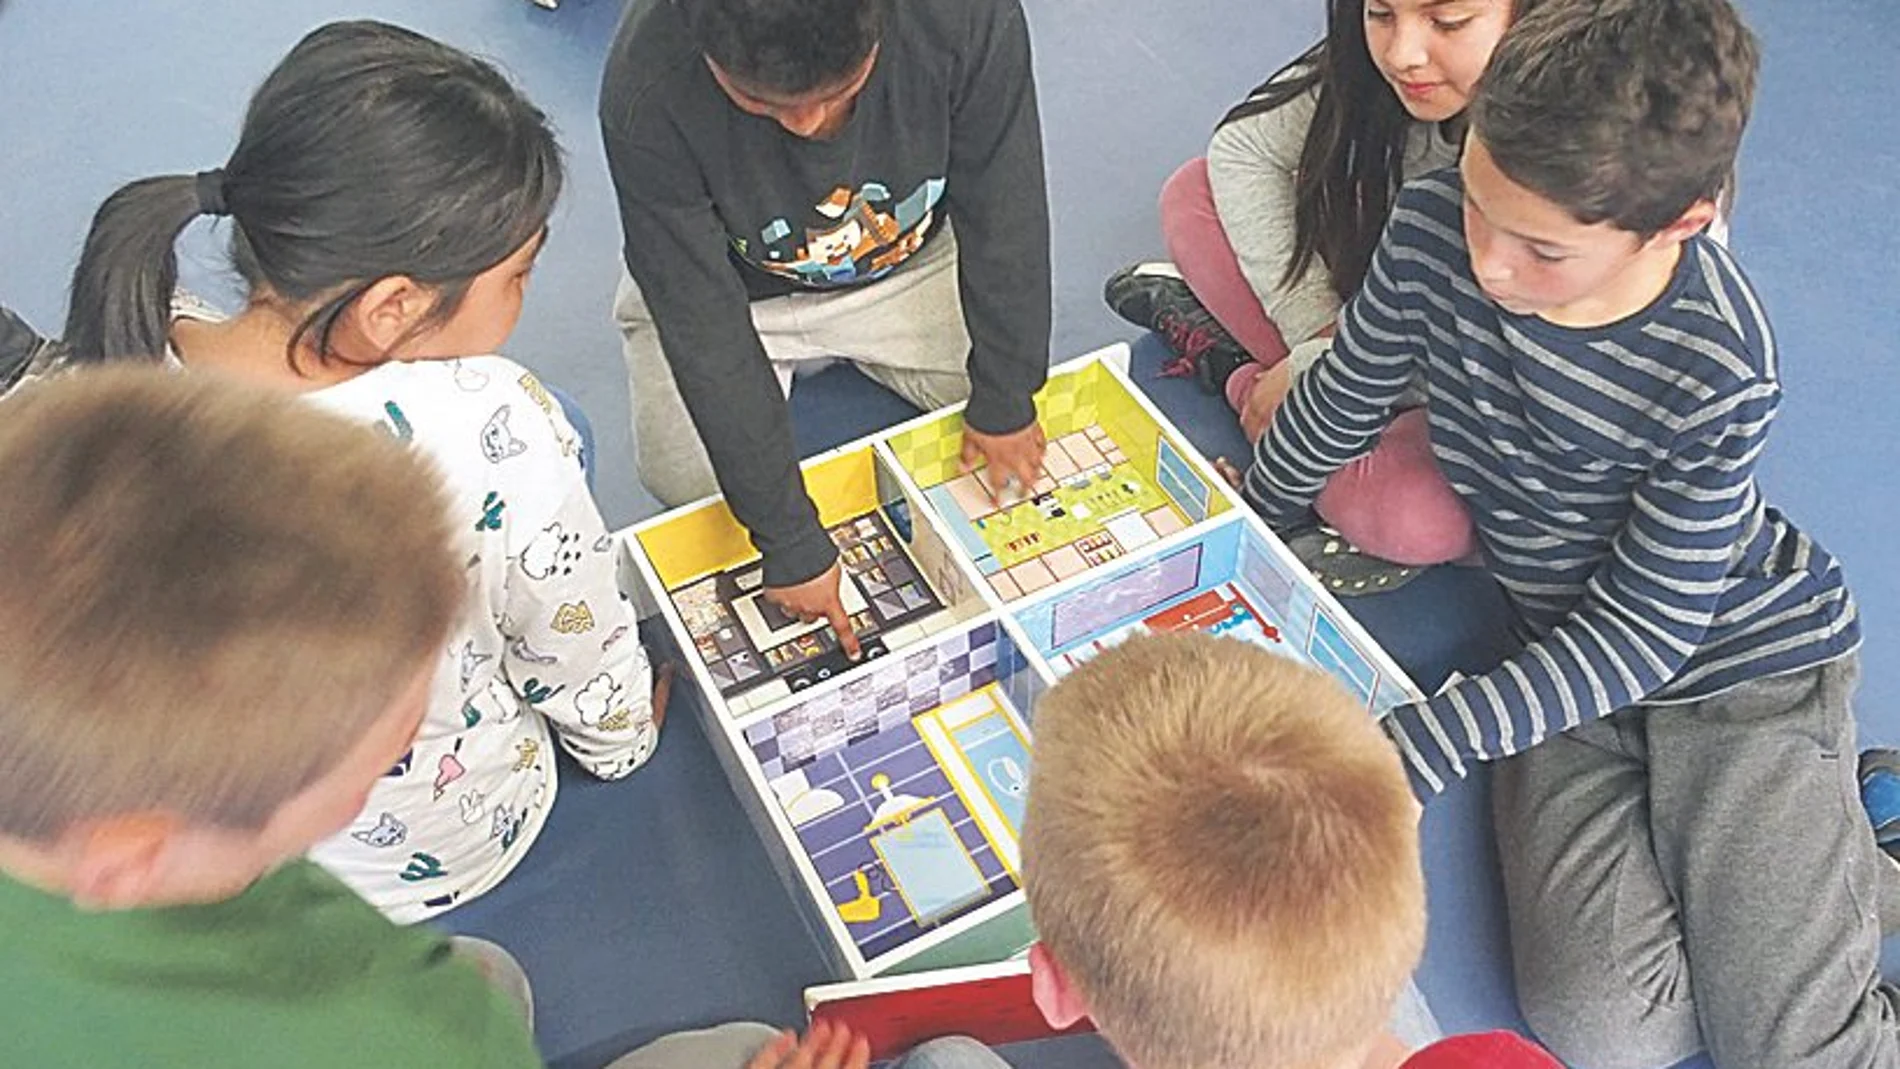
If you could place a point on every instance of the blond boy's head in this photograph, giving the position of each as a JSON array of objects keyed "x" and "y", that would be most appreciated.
[
  {"x": 1221, "y": 856},
  {"x": 212, "y": 597}
]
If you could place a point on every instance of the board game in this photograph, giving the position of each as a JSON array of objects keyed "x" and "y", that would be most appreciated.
[
  {"x": 1088, "y": 507},
  {"x": 915, "y": 820},
  {"x": 897, "y": 798},
  {"x": 901, "y": 584},
  {"x": 746, "y": 641},
  {"x": 1227, "y": 580},
  {"x": 889, "y": 792},
  {"x": 1113, "y": 480}
]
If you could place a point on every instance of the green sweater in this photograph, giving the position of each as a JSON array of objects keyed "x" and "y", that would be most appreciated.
[{"x": 297, "y": 971}]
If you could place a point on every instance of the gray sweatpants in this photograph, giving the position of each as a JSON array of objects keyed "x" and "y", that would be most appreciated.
[
  {"x": 726, "y": 1046},
  {"x": 905, "y": 331},
  {"x": 1701, "y": 875},
  {"x": 731, "y": 1046}
]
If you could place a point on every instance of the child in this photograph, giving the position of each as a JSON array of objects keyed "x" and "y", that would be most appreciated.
[
  {"x": 1275, "y": 228},
  {"x": 815, "y": 179},
  {"x": 1694, "y": 869},
  {"x": 165, "y": 761},
  {"x": 1222, "y": 858},
  {"x": 386, "y": 200}
]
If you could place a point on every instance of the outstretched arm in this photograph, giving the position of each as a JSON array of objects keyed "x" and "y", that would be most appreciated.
[
  {"x": 999, "y": 205},
  {"x": 676, "y": 251},
  {"x": 1643, "y": 614},
  {"x": 1336, "y": 410}
]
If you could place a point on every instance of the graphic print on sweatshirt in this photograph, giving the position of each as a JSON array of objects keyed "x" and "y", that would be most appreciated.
[{"x": 851, "y": 235}]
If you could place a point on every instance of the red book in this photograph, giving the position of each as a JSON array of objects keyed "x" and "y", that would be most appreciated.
[
  {"x": 1488, "y": 1050},
  {"x": 989, "y": 1003}
]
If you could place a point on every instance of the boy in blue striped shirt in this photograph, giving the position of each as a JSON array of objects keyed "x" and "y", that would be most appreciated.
[{"x": 1693, "y": 870}]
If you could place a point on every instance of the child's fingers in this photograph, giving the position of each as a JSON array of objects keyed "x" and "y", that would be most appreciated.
[
  {"x": 1023, "y": 472},
  {"x": 772, "y": 1055},
  {"x": 825, "y": 1046},
  {"x": 1228, "y": 471},
  {"x": 835, "y": 1048},
  {"x": 800, "y": 1057},
  {"x": 841, "y": 623}
]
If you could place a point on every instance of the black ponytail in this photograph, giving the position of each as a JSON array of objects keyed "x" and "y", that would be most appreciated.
[
  {"x": 370, "y": 151},
  {"x": 1353, "y": 153},
  {"x": 122, "y": 292},
  {"x": 1353, "y": 157}
]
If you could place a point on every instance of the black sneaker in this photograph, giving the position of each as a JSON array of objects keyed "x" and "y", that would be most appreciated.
[
  {"x": 1342, "y": 567},
  {"x": 1153, "y": 296}
]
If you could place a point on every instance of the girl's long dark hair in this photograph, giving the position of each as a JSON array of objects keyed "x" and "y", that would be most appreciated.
[
  {"x": 1354, "y": 156},
  {"x": 370, "y": 151}
]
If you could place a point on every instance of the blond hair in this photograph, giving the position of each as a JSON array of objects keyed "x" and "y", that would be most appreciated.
[
  {"x": 207, "y": 593},
  {"x": 1221, "y": 850}
]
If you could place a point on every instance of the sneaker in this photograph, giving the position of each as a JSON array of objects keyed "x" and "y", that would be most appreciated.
[
  {"x": 1344, "y": 569},
  {"x": 1155, "y": 297},
  {"x": 1880, "y": 796}
]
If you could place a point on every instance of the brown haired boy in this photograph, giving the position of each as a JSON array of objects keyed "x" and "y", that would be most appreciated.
[
  {"x": 203, "y": 668},
  {"x": 788, "y": 173},
  {"x": 1221, "y": 854},
  {"x": 1694, "y": 869}
]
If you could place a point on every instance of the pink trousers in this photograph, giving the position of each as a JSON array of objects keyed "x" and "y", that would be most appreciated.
[{"x": 1393, "y": 503}]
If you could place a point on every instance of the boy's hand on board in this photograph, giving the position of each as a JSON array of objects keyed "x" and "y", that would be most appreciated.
[
  {"x": 819, "y": 598},
  {"x": 1014, "y": 459}
]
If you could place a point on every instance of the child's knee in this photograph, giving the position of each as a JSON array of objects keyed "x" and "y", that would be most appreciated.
[
  {"x": 1417, "y": 521},
  {"x": 1425, "y": 537},
  {"x": 1187, "y": 192},
  {"x": 953, "y": 1052},
  {"x": 676, "y": 486},
  {"x": 1586, "y": 1009},
  {"x": 1586, "y": 1041}
]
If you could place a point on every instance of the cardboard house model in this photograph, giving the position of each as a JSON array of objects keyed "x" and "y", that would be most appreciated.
[{"x": 889, "y": 792}]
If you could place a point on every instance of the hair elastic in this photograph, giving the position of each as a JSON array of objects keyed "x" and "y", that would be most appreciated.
[{"x": 211, "y": 192}]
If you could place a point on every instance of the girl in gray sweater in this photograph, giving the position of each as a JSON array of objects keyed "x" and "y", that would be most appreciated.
[{"x": 1274, "y": 228}]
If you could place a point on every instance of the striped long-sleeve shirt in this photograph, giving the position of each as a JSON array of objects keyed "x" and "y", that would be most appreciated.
[{"x": 1610, "y": 473}]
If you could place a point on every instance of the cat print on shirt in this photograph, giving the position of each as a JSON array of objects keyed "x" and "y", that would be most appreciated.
[
  {"x": 498, "y": 442},
  {"x": 388, "y": 832}
]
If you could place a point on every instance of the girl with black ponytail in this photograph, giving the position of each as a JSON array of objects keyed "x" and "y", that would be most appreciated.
[{"x": 386, "y": 201}]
